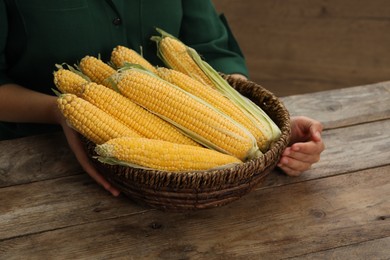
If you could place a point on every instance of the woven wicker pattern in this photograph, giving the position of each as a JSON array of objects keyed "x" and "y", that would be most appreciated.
[{"x": 206, "y": 189}]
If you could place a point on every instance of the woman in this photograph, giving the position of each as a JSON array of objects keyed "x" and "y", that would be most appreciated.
[{"x": 36, "y": 34}]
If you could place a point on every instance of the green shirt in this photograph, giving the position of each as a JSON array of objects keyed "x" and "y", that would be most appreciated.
[{"x": 37, "y": 34}]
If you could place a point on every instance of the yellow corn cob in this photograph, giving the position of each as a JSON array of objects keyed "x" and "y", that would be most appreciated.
[
  {"x": 121, "y": 55},
  {"x": 194, "y": 116},
  {"x": 214, "y": 98},
  {"x": 162, "y": 155},
  {"x": 68, "y": 81},
  {"x": 175, "y": 56},
  {"x": 132, "y": 115},
  {"x": 97, "y": 70},
  {"x": 90, "y": 121}
]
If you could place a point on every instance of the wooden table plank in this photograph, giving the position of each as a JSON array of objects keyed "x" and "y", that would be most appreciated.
[
  {"x": 58, "y": 203},
  {"x": 347, "y": 150},
  {"x": 276, "y": 222},
  {"x": 36, "y": 158},
  {"x": 29, "y": 202},
  {"x": 373, "y": 249},
  {"x": 343, "y": 107}
]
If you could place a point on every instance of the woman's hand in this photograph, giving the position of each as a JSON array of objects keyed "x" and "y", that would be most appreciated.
[
  {"x": 19, "y": 104},
  {"x": 305, "y": 148},
  {"x": 78, "y": 149}
]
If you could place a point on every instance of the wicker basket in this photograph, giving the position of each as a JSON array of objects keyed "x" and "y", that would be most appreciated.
[{"x": 207, "y": 189}]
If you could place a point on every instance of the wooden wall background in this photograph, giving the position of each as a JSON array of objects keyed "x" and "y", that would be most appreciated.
[{"x": 299, "y": 46}]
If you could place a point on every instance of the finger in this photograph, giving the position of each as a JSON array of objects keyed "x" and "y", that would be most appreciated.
[
  {"x": 316, "y": 136},
  {"x": 315, "y": 131},
  {"x": 290, "y": 172},
  {"x": 308, "y": 148},
  {"x": 303, "y": 128},
  {"x": 92, "y": 172},
  {"x": 294, "y": 165},
  {"x": 81, "y": 156},
  {"x": 307, "y": 158}
]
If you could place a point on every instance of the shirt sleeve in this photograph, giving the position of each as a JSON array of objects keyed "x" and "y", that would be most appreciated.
[
  {"x": 208, "y": 33},
  {"x": 3, "y": 40}
]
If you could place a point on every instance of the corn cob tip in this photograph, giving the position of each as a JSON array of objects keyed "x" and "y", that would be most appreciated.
[
  {"x": 105, "y": 150},
  {"x": 68, "y": 81},
  {"x": 164, "y": 33},
  {"x": 90, "y": 121},
  {"x": 96, "y": 69},
  {"x": 122, "y": 56}
]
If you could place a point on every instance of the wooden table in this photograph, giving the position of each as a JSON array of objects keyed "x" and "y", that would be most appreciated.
[{"x": 340, "y": 209}]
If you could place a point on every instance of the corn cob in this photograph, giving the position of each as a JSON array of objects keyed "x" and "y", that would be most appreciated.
[
  {"x": 214, "y": 98},
  {"x": 194, "y": 116},
  {"x": 161, "y": 155},
  {"x": 90, "y": 121},
  {"x": 270, "y": 130},
  {"x": 97, "y": 70},
  {"x": 68, "y": 81},
  {"x": 132, "y": 115},
  {"x": 177, "y": 55},
  {"x": 121, "y": 55}
]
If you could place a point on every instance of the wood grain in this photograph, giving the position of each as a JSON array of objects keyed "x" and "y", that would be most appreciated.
[
  {"x": 50, "y": 209},
  {"x": 78, "y": 199},
  {"x": 348, "y": 106},
  {"x": 36, "y": 158},
  {"x": 57, "y": 203},
  {"x": 303, "y": 46},
  {"x": 286, "y": 221},
  {"x": 372, "y": 249},
  {"x": 347, "y": 150}
]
